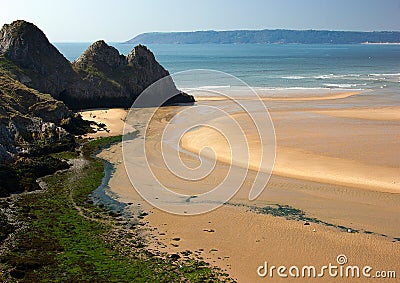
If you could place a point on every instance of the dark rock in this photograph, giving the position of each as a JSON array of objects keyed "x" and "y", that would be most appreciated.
[
  {"x": 100, "y": 56},
  {"x": 174, "y": 256},
  {"x": 29, "y": 120},
  {"x": 18, "y": 274},
  {"x": 9, "y": 182},
  {"x": 113, "y": 80},
  {"x": 41, "y": 65},
  {"x": 100, "y": 77}
]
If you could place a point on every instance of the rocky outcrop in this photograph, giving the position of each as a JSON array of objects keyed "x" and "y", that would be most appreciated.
[
  {"x": 100, "y": 56},
  {"x": 39, "y": 64},
  {"x": 38, "y": 86},
  {"x": 100, "y": 77},
  {"x": 30, "y": 122},
  {"x": 115, "y": 80}
]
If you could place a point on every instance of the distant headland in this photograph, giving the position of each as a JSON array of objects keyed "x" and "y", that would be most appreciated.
[{"x": 277, "y": 36}]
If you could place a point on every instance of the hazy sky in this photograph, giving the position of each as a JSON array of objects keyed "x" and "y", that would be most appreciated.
[{"x": 120, "y": 20}]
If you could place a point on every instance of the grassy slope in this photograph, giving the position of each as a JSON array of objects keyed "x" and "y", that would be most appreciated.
[{"x": 66, "y": 238}]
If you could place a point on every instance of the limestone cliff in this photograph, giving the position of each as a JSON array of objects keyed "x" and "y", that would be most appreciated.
[
  {"x": 40, "y": 65},
  {"x": 38, "y": 86},
  {"x": 115, "y": 80},
  {"x": 100, "y": 77},
  {"x": 30, "y": 121}
]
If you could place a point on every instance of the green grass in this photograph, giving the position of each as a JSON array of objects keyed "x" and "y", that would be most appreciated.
[
  {"x": 94, "y": 146},
  {"x": 60, "y": 245},
  {"x": 292, "y": 213},
  {"x": 65, "y": 155},
  {"x": 9, "y": 66}
]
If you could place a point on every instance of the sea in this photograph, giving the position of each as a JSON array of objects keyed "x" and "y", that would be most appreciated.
[{"x": 279, "y": 66}]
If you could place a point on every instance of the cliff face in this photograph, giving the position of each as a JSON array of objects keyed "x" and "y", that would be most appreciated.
[
  {"x": 29, "y": 120},
  {"x": 100, "y": 77},
  {"x": 37, "y": 84},
  {"x": 114, "y": 80},
  {"x": 100, "y": 56},
  {"x": 41, "y": 65}
]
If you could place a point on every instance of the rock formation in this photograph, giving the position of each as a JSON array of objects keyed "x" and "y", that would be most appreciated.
[
  {"x": 39, "y": 64},
  {"x": 114, "y": 80},
  {"x": 100, "y": 77},
  {"x": 37, "y": 84},
  {"x": 32, "y": 125},
  {"x": 30, "y": 120}
]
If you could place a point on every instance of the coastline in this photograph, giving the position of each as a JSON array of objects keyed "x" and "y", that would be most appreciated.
[
  {"x": 80, "y": 240},
  {"x": 241, "y": 247},
  {"x": 287, "y": 165}
]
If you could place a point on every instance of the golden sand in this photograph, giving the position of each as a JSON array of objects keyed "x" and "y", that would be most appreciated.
[
  {"x": 340, "y": 168},
  {"x": 113, "y": 118},
  {"x": 388, "y": 113},
  {"x": 324, "y": 161}
]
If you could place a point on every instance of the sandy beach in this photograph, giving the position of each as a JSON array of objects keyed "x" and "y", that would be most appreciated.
[
  {"x": 112, "y": 118},
  {"x": 338, "y": 163}
]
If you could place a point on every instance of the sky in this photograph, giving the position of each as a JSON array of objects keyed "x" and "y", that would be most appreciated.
[{"x": 120, "y": 20}]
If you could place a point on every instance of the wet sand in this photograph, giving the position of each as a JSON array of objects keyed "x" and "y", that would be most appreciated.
[
  {"x": 381, "y": 114},
  {"x": 322, "y": 159},
  {"x": 339, "y": 168}
]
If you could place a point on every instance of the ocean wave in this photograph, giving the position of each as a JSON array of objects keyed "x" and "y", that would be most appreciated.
[
  {"x": 385, "y": 75},
  {"x": 214, "y": 86},
  {"x": 343, "y": 85},
  {"x": 324, "y": 76},
  {"x": 294, "y": 77},
  {"x": 333, "y": 76},
  {"x": 389, "y": 77},
  {"x": 291, "y": 88}
]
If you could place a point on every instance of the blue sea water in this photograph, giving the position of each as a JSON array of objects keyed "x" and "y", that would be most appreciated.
[{"x": 279, "y": 66}]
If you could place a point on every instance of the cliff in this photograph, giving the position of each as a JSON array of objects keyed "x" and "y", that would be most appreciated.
[
  {"x": 114, "y": 80},
  {"x": 100, "y": 77},
  {"x": 39, "y": 64},
  {"x": 38, "y": 87},
  {"x": 32, "y": 122},
  {"x": 278, "y": 36},
  {"x": 32, "y": 125}
]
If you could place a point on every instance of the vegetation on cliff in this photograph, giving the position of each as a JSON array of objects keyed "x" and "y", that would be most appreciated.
[{"x": 32, "y": 125}]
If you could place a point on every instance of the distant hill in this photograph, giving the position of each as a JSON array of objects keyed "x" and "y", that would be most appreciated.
[{"x": 267, "y": 36}]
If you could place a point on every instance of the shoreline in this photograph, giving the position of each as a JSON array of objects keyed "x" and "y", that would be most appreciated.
[
  {"x": 79, "y": 239},
  {"x": 241, "y": 247}
]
